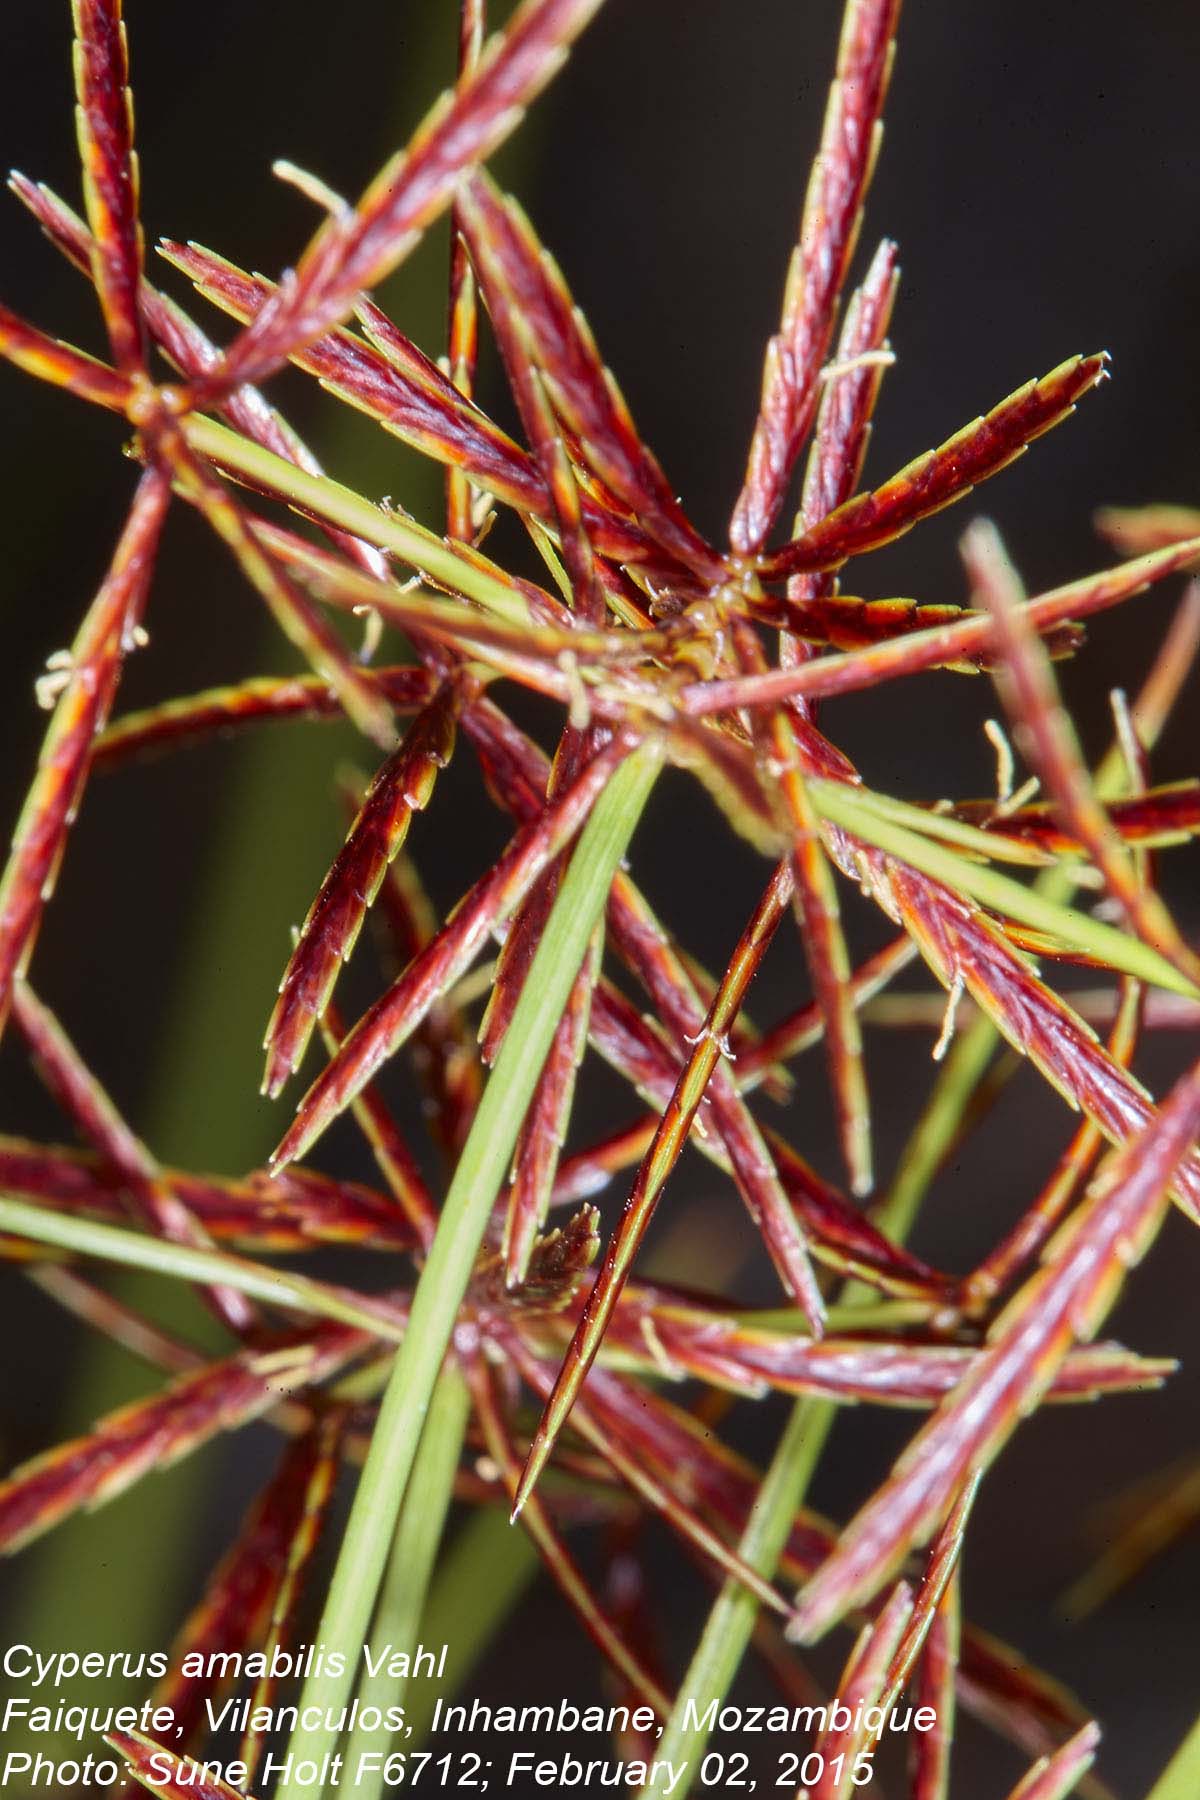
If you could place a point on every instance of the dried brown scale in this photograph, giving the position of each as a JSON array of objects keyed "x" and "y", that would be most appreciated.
[{"x": 402, "y": 785}]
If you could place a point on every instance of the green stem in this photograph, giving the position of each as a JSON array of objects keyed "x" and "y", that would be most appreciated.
[
  {"x": 482, "y": 1576},
  {"x": 1180, "y": 1780},
  {"x": 729, "y": 1626},
  {"x": 447, "y": 1272},
  {"x": 112, "y": 1243},
  {"x": 414, "y": 1550},
  {"x": 841, "y": 805},
  {"x": 341, "y": 506}
]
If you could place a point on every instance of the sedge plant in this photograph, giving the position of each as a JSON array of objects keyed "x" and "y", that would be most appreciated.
[{"x": 516, "y": 1361}]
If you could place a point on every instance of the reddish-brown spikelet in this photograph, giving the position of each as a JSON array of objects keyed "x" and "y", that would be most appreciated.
[
  {"x": 580, "y": 388},
  {"x": 968, "y": 639},
  {"x": 1057, "y": 1775},
  {"x": 240, "y": 1595},
  {"x": 654, "y": 1492},
  {"x": 1023, "y": 1242},
  {"x": 1048, "y": 740},
  {"x": 91, "y": 671},
  {"x": 816, "y": 904},
  {"x": 668, "y": 1333},
  {"x": 1158, "y": 816},
  {"x": 298, "y": 1211},
  {"x": 940, "y": 476},
  {"x": 444, "y": 1047},
  {"x": 958, "y": 940},
  {"x": 392, "y": 1152},
  {"x": 643, "y": 632},
  {"x": 544, "y": 1131},
  {"x": 551, "y": 1547},
  {"x": 647, "y": 951},
  {"x": 355, "y": 251},
  {"x": 193, "y": 718},
  {"x": 290, "y": 607},
  {"x": 165, "y": 1772},
  {"x": 836, "y": 1231},
  {"x": 313, "y": 1483},
  {"x": 386, "y": 1025},
  {"x": 669, "y": 1139},
  {"x": 829, "y": 228},
  {"x": 933, "y": 1686},
  {"x": 403, "y": 785},
  {"x": 89, "y": 1108},
  {"x": 61, "y": 365},
  {"x": 110, "y": 173},
  {"x": 462, "y": 328},
  {"x": 153, "y": 1433},
  {"x": 1063, "y": 1304},
  {"x": 863, "y": 1679},
  {"x": 843, "y": 423}
]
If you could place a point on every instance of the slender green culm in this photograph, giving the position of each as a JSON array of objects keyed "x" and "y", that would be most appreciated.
[
  {"x": 180, "y": 1262},
  {"x": 728, "y": 1628},
  {"x": 414, "y": 1550},
  {"x": 838, "y": 803},
  {"x": 468, "y": 1205},
  {"x": 1180, "y": 1780}
]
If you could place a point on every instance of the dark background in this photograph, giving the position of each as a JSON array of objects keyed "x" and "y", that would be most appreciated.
[{"x": 1041, "y": 173}]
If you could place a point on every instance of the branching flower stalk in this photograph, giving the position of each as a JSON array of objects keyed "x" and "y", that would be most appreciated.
[{"x": 499, "y": 1368}]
